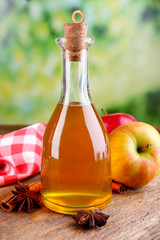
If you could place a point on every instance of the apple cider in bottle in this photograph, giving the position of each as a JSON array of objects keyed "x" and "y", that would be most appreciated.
[{"x": 76, "y": 169}]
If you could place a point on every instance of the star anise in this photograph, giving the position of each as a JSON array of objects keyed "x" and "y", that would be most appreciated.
[
  {"x": 90, "y": 219},
  {"x": 25, "y": 198}
]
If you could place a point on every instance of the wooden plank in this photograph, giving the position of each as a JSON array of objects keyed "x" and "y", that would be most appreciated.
[
  {"x": 9, "y": 128},
  {"x": 133, "y": 215},
  {"x": 158, "y": 128}
]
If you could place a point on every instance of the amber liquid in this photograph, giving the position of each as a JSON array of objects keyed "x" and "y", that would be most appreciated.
[{"x": 75, "y": 160}]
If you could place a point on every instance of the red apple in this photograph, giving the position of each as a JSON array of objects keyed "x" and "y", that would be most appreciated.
[
  {"x": 112, "y": 121},
  {"x": 135, "y": 154}
]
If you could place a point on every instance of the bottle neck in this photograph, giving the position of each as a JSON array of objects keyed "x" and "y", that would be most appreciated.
[{"x": 75, "y": 86}]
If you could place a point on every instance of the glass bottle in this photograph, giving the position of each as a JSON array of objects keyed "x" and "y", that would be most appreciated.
[{"x": 76, "y": 171}]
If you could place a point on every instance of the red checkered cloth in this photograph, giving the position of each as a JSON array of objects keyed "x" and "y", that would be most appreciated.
[{"x": 20, "y": 153}]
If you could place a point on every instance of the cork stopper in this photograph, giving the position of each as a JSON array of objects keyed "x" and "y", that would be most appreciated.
[{"x": 75, "y": 33}]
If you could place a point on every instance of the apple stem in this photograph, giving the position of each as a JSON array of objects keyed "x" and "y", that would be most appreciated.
[
  {"x": 142, "y": 149},
  {"x": 104, "y": 111}
]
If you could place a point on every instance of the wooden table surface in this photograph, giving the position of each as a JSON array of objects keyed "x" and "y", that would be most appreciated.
[{"x": 134, "y": 215}]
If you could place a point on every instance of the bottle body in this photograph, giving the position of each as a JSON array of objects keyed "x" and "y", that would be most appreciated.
[
  {"x": 76, "y": 160},
  {"x": 76, "y": 171}
]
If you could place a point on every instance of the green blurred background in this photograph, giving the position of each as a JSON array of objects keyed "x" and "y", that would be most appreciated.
[{"x": 124, "y": 61}]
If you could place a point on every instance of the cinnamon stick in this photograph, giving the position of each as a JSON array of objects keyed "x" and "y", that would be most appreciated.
[
  {"x": 36, "y": 186},
  {"x": 7, "y": 204},
  {"x": 118, "y": 187}
]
